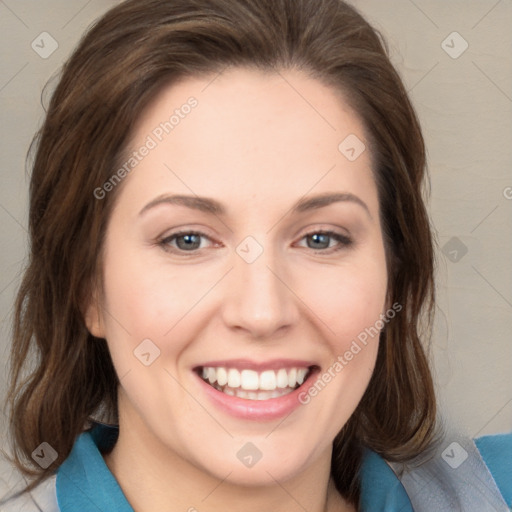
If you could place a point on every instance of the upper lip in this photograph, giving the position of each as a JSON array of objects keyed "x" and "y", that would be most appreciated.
[{"x": 247, "y": 364}]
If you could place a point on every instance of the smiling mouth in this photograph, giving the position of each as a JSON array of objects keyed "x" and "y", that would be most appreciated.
[{"x": 253, "y": 385}]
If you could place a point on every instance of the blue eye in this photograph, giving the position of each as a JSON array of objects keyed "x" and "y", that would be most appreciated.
[
  {"x": 190, "y": 241},
  {"x": 320, "y": 240},
  {"x": 186, "y": 241}
]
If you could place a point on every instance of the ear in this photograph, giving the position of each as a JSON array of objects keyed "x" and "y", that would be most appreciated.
[{"x": 93, "y": 315}]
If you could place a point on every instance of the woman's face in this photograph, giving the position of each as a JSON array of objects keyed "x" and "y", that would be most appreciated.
[{"x": 222, "y": 260}]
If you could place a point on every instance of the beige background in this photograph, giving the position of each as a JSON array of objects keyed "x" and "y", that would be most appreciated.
[{"x": 464, "y": 100}]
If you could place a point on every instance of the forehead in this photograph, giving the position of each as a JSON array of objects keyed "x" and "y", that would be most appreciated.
[{"x": 250, "y": 134}]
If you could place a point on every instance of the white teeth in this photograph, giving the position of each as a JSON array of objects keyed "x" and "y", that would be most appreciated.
[
  {"x": 234, "y": 378},
  {"x": 268, "y": 380},
  {"x": 249, "y": 381},
  {"x": 301, "y": 375},
  {"x": 222, "y": 376},
  {"x": 282, "y": 379},
  {"x": 292, "y": 377},
  {"x": 212, "y": 375},
  {"x": 253, "y": 395}
]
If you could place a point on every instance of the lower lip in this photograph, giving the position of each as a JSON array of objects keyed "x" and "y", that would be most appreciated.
[{"x": 258, "y": 410}]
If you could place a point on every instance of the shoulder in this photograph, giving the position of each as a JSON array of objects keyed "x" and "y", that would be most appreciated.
[
  {"x": 488, "y": 471},
  {"x": 381, "y": 490},
  {"x": 43, "y": 498},
  {"x": 496, "y": 451}
]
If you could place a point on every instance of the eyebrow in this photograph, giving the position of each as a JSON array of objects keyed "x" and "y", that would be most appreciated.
[{"x": 208, "y": 205}]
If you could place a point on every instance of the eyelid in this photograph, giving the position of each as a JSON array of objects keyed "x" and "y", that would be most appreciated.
[
  {"x": 163, "y": 240},
  {"x": 344, "y": 240}
]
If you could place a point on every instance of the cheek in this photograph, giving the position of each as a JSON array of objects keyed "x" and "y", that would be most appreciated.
[
  {"x": 148, "y": 300},
  {"x": 350, "y": 301},
  {"x": 347, "y": 299},
  {"x": 161, "y": 303}
]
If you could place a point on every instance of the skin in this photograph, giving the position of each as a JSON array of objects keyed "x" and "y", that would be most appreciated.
[{"x": 255, "y": 145}]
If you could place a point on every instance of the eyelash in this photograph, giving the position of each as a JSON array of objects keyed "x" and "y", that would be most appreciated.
[{"x": 344, "y": 241}]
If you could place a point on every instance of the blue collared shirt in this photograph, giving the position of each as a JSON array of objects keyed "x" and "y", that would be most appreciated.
[{"x": 84, "y": 483}]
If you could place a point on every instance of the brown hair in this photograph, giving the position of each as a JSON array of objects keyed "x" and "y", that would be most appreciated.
[{"x": 120, "y": 64}]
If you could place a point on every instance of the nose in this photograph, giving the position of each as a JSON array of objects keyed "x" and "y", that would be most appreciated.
[{"x": 260, "y": 299}]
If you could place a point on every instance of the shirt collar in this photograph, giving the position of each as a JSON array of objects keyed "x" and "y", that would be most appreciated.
[{"x": 84, "y": 481}]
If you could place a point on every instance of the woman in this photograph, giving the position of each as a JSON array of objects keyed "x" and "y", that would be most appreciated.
[{"x": 230, "y": 259}]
